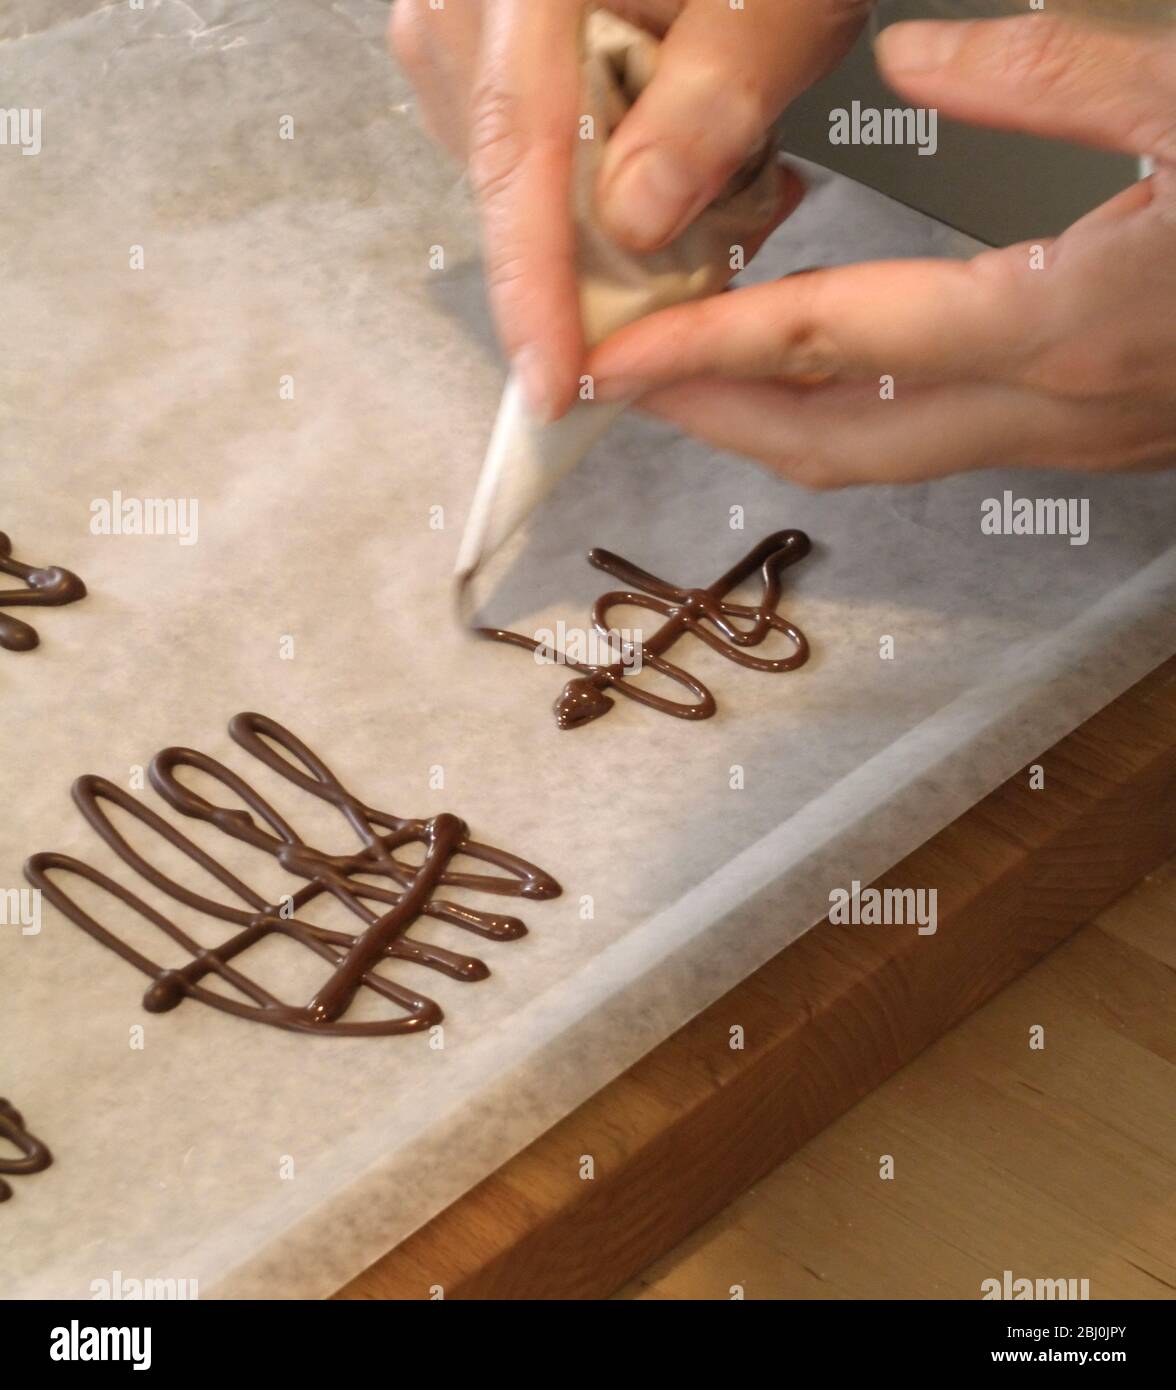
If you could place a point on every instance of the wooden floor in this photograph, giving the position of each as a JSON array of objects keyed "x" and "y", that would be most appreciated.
[{"x": 1051, "y": 1163}]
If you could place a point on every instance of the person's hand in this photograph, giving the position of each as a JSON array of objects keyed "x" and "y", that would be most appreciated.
[
  {"x": 499, "y": 86},
  {"x": 1061, "y": 354}
]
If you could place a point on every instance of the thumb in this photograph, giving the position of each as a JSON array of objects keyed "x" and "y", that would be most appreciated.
[
  {"x": 724, "y": 73},
  {"x": 1110, "y": 87}
]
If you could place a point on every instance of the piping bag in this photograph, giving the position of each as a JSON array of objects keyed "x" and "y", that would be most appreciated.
[{"x": 525, "y": 460}]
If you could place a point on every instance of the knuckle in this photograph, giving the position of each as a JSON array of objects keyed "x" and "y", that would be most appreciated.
[
  {"x": 497, "y": 146},
  {"x": 720, "y": 114},
  {"x": 799, "y": 342},
  {"x": 506, "y": 273},
  {"x": 807, "y": 353}
]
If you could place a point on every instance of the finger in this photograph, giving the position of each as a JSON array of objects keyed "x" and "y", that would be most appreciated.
[
  {"x": 835, "y": 437},
  {"x": 1114, "y": 88},
  {"x": 723, "y": 75},
  {"x": 1121, "y": 207},
  {"x": 924, "y": 320},
  {"x": 523, "y": 125},
  {"x": 438, "y": 49}
]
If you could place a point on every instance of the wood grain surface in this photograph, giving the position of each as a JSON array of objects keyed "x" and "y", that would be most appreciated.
[{"x": 1051, "y": 1162}]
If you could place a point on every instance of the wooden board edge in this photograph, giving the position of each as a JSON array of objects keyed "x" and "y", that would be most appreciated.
[{"x": 690, "y": 1126}]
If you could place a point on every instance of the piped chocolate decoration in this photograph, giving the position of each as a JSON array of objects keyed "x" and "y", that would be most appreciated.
[
  {"x": 352, "y": 958},
  {"x": 47, "y": 587},
  {"x": 685, "y": 611},
  {"x": 34, "y": 1156}
]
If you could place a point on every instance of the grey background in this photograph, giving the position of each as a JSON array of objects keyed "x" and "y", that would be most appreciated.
[{"x": 999, "y": 187}]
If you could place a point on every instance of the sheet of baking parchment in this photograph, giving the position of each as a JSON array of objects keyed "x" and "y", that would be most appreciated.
[{"x": 259, "y": 1162}]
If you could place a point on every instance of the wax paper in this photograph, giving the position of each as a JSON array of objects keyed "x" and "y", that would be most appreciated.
[{"x": 294, "y": 354}]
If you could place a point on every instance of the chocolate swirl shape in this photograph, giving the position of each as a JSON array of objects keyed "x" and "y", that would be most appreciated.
[
  {"x": 704, "y": 613},
  {"x": 352, "y": 958},
  {"x": 47, "y": 587},
  {"x": 34, "y": 1156}
]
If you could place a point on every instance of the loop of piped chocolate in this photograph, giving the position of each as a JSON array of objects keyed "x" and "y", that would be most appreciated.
[
  {"x": 353, "y": 957},
  {"x": 47, "y": 587},
  {"x": 34, "y": 1156}
]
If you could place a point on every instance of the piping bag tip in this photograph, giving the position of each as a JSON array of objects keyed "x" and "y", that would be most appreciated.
[
  {"x": 524, "y": 461},
  {"x": 527, "y": 458},
  {"x": 463, "y": 600}
]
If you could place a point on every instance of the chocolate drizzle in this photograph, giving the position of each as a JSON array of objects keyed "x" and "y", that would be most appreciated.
[
  {"x": 34, "y": 1155},
  {"x": 685, "y": 611},
  {"x": 44, "y": 588},
  {"x": 352, "y": 958}
]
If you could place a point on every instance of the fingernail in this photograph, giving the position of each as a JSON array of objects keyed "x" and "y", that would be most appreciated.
[
  {"x": 919, "y": 47},
  {"x": 527, "y": 365},
  {"x": 648, "y": 199}
]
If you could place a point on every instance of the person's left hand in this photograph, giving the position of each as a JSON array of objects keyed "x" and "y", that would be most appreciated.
[{"x": 1061, "y": 354}]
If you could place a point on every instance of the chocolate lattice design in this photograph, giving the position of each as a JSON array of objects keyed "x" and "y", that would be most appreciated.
[
  {"x": 47, "y": 587},
  {"x": 352, "y": 958},
  {"x": 34, "y": 1156},
  {"x": 704, "y": 613}
]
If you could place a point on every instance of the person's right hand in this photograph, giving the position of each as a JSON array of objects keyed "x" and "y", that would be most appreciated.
[{"x": 499, "y": 86}]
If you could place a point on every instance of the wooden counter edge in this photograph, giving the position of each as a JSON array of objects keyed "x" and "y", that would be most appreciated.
[{"x": 695, "y": 1122}]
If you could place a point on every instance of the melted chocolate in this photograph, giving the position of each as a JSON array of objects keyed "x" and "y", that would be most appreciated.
[
  {"x": 44, "y": 588},
  {"x": 34, "y": 1155},
  {"x": 352, "y": 958},
  {"x": 685, "y": 611}
]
